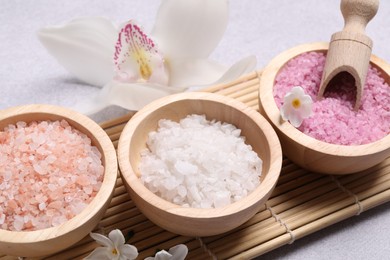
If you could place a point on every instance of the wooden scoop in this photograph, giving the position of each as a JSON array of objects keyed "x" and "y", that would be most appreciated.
[{"x": 350, "y": 50}]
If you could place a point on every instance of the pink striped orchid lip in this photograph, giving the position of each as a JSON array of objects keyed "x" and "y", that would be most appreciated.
[{"x": 137, "y": 58}]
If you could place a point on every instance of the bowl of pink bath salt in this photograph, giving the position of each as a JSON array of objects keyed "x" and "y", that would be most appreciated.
[
  {"x": 335, "y": 138},
  {"x": 58, "y": 171}
]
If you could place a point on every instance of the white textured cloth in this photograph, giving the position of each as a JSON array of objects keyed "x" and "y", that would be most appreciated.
[{"x": 28, "y": 74}]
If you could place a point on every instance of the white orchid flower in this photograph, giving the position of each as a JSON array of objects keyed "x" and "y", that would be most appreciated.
[
  {"x": 172, "y": 59},
  {"x": 114, "y": 247},
  {"x": 178, "y": 252},
  {"x": 296, "y": 107}
]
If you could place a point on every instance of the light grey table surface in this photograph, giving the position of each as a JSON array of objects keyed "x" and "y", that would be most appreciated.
[{"x": 28, "y": 74}]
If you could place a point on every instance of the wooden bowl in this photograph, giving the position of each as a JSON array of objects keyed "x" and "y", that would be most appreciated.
[
  {"x": 306, "y": 151},
  {"x": 50, "y": 240},
  {"x": 194, "y": 221}
]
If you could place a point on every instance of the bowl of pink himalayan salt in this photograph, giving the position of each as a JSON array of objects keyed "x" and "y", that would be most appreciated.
[
  {"x": 335, "y": 139},
  {"x": 58, "y": 170},
  {"x": 199, "y": 164}
]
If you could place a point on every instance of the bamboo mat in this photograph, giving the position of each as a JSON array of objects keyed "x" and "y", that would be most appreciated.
[{"x": 302, "y": 203}]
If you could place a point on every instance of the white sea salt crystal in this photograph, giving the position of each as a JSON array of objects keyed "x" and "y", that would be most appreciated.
[
  {"x": 181, "y": 191},
  {"x": 207, "y": 163},
  {"x": 185, "y": 168},
  {"x": 221, "y": 198}
]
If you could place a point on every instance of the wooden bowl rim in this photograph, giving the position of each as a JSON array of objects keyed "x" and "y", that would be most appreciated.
[
  {"x": 135, "y": 184},
  {"x": 108, "y": 185},
  {"x": 269, "y": 105}
]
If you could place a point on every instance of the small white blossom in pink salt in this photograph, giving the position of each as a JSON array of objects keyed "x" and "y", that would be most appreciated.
[
  {"x": 178, "y": 252},
  {"x": 114, "y": 247},
  {"x": 296, "y": 107}
]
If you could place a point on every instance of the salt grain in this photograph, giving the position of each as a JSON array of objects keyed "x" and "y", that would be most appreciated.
[
  {"x": 41, "y": 183},
  {"x": 333, "y": 119},
  {"x": 199, "y": 163}
]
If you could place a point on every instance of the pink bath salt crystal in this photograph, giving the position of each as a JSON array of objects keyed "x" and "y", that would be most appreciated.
[
  {"x": 82, "y": 180},
  {"x": 28, "y": 225},
  {"x": 12, "y": 205},
  {"x": 41, "y": 198},
  {"x": 18, "y": 223},
  {"x": 56, "y": 205},
  {"x": 39, "y": 169},
  {"x": 77, "y": 207},
  {"x": 2, "y": 218},
  {"x": 88, "y": 189},
  {"x": 56, "y": 194},
  {"x": 333, "y": 119},
  {"x": 42, "y": 206},
  {"x": 57, "y": 220},
  {"x": 41, "y": 181}
]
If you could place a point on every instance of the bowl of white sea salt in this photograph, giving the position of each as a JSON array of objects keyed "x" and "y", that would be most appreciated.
[
  {"x": 199, "y": 164},
  {"x": 58, "y": 171}
]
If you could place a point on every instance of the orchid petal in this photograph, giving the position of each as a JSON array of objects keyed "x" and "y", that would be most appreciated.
[
  {"x": 100, "y": 253},
  {"x": 116, "y": 237},
  {"x": 130, "y": 96},
  {"x": 194, "y": 72},
  {"x": 178, "y": 252},
  {"x": 238, "y": 69},
  {"x": 191, "y": 28},
  {"x": 137, "y": 57},
  {"x": 84, "y": 47},
  {"x": 128, "y": 251},
  {"x": 102, "y": 240},
  {"x": 162, "y": 255},
  {"x": 200, "y": 73}
]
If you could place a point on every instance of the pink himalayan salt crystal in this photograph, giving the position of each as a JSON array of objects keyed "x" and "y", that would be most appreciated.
[
  {"x": 49, "y": 172},
  {"x": 333, "y": 119}
]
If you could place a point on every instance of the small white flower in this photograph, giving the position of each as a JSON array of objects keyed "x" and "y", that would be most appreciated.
[
  {"x": 296, "y": 107},
  {"x": 114, "y": 247},
  {"x": 178, "y": 252}
]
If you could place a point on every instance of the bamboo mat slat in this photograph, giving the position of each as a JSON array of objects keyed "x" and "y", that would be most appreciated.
[{"x": 302, "y": 203}]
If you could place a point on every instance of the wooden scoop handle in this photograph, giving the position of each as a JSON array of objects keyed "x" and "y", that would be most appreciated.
[
  {"x": 357, "y": 14},
  {"x": 350, "y": 50}
]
